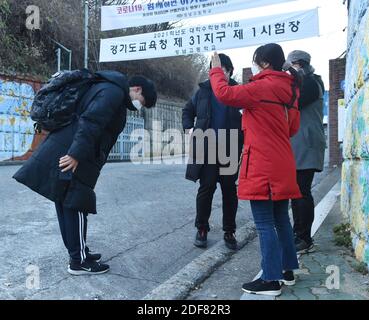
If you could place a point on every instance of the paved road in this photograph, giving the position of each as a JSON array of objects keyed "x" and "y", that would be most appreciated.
[{"x": 144, "y": 230}]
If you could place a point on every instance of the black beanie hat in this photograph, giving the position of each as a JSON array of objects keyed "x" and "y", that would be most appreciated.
[{"x": 148, "y": 89}]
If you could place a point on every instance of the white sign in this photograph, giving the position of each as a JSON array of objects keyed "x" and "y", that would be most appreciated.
[
  {"x": 211, "y": 37},
  {"x": 342, "y": 114},
  {"x": 135, "y": 13}
]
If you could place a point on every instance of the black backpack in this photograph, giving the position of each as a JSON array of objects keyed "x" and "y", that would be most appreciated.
[{"x": 55, "y": 105}]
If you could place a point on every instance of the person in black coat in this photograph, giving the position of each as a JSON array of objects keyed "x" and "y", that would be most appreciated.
[
  {"x": 66, "y": 166},
  {"x": 209, "y": 113},
  {"x": 308, "y": 147}
]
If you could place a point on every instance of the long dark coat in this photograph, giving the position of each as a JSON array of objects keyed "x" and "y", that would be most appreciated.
[{"x": 102, "y": 117}]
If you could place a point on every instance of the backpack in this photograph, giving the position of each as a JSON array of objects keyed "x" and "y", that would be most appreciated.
[{"x": 55, "y": 105}]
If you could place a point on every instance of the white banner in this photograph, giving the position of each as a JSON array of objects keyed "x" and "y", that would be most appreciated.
[
  {"x": 138, "y": 13},
  {"x": 211, "y": 37}
]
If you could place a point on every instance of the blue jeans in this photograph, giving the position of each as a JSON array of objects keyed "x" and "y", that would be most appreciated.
[{"x": 276, "y": 238}]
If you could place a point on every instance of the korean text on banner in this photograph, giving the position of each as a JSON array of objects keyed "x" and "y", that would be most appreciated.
[
  {"x": 137, "y": 13},
  {"x": 211, "y": 37}
]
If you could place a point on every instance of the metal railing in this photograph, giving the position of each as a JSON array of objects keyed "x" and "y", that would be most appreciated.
[{"x": 132, "y": 133}]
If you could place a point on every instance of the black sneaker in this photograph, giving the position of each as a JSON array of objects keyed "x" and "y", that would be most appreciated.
[
  {"x": 288, "y": 278},
  {"x": 87, "y": 267},
  {"x": 201, "y": 240},
  {"x": 93, "y": 257},
  {"x": 303, "y": 247},
  {"x": 230, "y": 240},
  {"x": 259, "y": 286}
]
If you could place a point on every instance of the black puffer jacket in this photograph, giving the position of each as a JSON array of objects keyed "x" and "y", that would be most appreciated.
[
  {"x": 89, "y": 140},
  {"x": 197, "y": 114}
]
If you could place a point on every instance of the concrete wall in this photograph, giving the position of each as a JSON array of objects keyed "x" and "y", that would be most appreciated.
[{"x": 355, "y": 169}]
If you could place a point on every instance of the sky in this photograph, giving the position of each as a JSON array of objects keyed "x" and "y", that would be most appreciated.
[{"x": 329, "y": 45}]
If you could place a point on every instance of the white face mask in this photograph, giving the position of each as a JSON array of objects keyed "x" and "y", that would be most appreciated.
[
  {"x": 137, "y": 104},
  {"x": 255, "y": 69},
  {"x": 226, "y": 73}
]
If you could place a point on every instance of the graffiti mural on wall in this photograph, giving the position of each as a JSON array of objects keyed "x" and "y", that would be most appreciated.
[
  {"x": 358, "y": 9},
  {"x": 16, "y": 127},
  {"x": 356, "y": 143},
  {"x": 357, "y": 67},
  {"x": 355, "y": 169},
  {"x": 355, "y": 204}
]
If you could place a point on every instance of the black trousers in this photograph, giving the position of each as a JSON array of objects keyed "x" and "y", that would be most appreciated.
[
  {"x": 303, "y": 209},
  {"x": 208, "y": 184},
  {"x": 73, "y": 228}
]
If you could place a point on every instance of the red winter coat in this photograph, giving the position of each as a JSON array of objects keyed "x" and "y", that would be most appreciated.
[{"x": 268, "y": 169}]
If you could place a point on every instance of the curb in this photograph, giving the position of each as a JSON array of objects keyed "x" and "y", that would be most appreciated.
[
  {"x": 145, "y": 161},
  {"x": 11, "y": 163},
  {"x": 179, "y": 286}
]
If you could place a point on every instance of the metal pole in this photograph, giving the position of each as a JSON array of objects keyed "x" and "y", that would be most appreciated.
[
  {"x": 58, "y": 53},
  {"x": 66, "y": 49},
  {"x": 70, "y": 59},
  {"x": 86, "y": 34}
]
